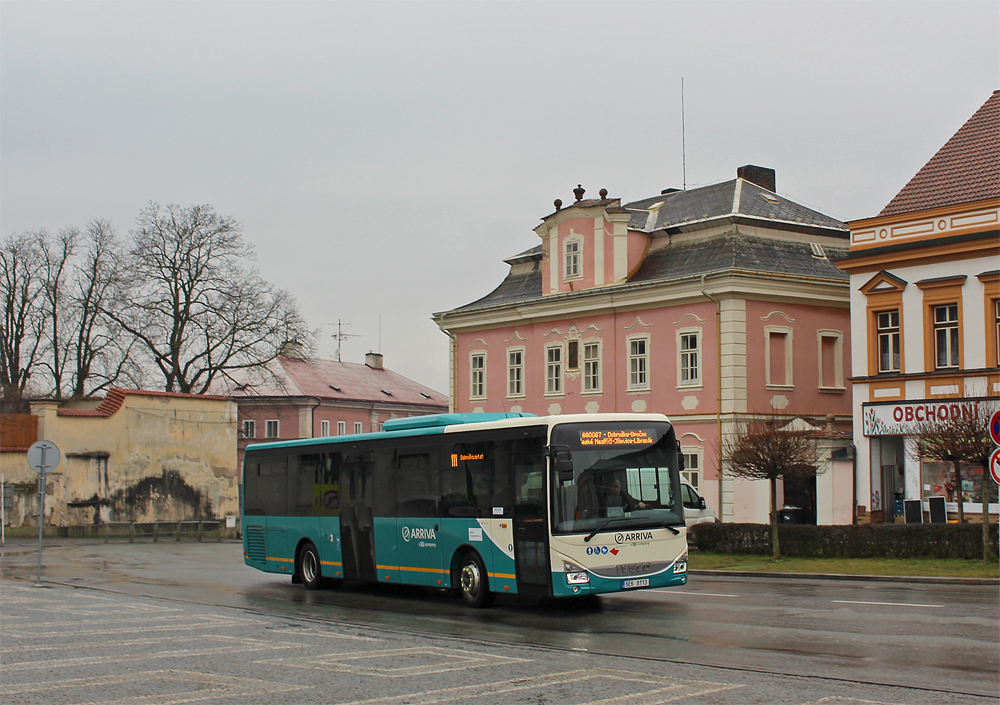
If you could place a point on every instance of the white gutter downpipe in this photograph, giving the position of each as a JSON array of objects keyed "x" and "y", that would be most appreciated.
[{"x": 718, "y": 367}]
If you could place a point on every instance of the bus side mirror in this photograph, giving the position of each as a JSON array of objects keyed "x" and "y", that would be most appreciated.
[{"x": 562, "y": 462}]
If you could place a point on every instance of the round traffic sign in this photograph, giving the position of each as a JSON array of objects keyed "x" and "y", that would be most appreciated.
[
  {"x": 43, "y": 457},
  {"x": 995, "y": 427},
  {"x": 995, "y": 466}
]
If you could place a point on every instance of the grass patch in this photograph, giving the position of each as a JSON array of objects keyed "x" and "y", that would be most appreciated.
[{"x": 932, "y": 567}]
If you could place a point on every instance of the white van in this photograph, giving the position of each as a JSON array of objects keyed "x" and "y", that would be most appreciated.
[{"x": 695, "y": 509}]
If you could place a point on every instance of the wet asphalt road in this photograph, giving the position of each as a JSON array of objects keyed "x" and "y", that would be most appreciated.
[{"x": 927, "y": 642}]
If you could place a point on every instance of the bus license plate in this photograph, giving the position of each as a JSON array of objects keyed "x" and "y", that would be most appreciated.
[{"x": 641, "y": 582}]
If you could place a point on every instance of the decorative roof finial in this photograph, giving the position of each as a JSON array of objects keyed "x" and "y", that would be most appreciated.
[
  {"x": 604, "y": 193},
  {"x": 579, "y": 191},
  {"x": 557, "y": 203}
]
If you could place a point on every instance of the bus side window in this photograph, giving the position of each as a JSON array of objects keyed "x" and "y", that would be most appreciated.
[
  {"x": 271, "y": 481},
  {"x": 417, "y": 488}
]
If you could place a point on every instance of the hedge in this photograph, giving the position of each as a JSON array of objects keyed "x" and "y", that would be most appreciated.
[{"x": 861, "y": 541}]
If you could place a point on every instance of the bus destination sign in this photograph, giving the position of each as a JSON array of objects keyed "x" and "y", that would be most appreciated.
[{"x": 616, "y": 438}]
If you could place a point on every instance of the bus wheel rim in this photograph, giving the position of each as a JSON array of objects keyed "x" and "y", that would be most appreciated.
[
  {"x": 470, "y": 578},
  {"x": 309, "y": 566}
]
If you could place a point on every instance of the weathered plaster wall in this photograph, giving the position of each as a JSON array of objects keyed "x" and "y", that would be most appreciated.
[{"x": 157, "y": 457}]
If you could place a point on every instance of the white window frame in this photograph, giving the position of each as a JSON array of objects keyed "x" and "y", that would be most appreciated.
[
  {"x": 787, "y": 332},
  {"x": 477, "y": 375},
  {"x": 891, "y": 335},
  {"x": 519, "y": 368},
  {"x": 268, "y": 426},
  {"x": 358, "y": 427},
  {"x": 838, "y": 359},
  {"x": 341, "y": 428},
  {"x": 573, "y": 258},
  {"x": 637, "y": 367},
  {"x": 698, "y": 453},
  {"x": 324, "y": 428},
  {"x": 685, "y": 356},
  {"x": 592, "y": 367},
  {"x": 249, "y": 428},
  {"x": 555, "y": 381},
  {"x": 952, "y": 330}
]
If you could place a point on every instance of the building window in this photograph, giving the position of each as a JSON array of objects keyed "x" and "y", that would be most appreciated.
[
  {"x": 573, "y": 355},
  {"x": 831, "y": 359},
  {"x": 553, "y": 370},
  {"x": 271, "y": 429},
  {"x": 778, "y": 357},
  {"x": 638, "y": 363},
  {"x": 573, "y": 269},
  {"x": 946, "y": 336},
  {"x": 324, "y": 428},
  {"x": 592, "y": 367},
  {"x": 341, "y": 428},
  {"x": 477, "y": 371},
  {"x": 692, "y": 468},
  {"x": 888, "y": 341},
  {"x": 689, "y": 362},
  {"x": 515, "y": 372},
  {"x": 249, "y": 429},
  {"x": 357, "y": 427}
]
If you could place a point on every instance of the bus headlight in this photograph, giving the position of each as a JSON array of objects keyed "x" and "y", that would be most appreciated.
[
  {"x": 681, "y": 564},
  {"x": 575, "y": 575}
]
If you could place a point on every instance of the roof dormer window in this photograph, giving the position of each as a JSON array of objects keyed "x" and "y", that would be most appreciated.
[{"x": 573, "y": 258}]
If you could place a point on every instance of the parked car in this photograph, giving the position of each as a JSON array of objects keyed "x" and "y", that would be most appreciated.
[{"x": 696, "y": 511}]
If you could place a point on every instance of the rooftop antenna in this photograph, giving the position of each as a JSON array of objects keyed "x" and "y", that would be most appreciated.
[
  {"x": 340, "y": 336},
  {"x": 684, "y": 168}
]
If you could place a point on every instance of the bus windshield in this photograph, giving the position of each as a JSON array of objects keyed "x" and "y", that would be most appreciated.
[{"x": 625, "y": 475}]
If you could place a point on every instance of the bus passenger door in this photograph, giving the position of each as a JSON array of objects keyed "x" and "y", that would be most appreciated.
[
  {"x": 357, "y": 524},
  {"x": 531, "y": 545}
]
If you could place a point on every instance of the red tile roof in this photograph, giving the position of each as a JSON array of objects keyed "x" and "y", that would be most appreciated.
[
  {"x": 965, "y": 169},
  {"x": 312, "y": 377},
  {"x": 116, "y": 397}
]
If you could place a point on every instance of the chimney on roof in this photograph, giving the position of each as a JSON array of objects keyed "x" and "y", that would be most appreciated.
[
  {"x": 760, "y": 175},
  {"x": 374, "y": 360}
]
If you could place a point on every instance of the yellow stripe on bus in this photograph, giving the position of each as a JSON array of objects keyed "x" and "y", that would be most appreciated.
[
  {"x": 331, "y": 563},
  {"x": 502, "y": 575},
  {"x": 281, "y": 560}
]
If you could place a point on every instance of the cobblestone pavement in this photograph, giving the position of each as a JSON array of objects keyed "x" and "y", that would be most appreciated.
[{"x": 74, "y": 646}]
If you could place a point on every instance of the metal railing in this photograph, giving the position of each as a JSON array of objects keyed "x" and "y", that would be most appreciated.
[{"x": 167, "y": 530}]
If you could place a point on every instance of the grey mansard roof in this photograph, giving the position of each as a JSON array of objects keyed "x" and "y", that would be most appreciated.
[
  {"x": 727, "y": 253},
  {"x": 682, "y": 208},
  {"x": 677, "y": 251}
]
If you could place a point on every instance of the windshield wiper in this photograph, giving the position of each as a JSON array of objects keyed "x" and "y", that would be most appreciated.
[{"x": 601, "y": 528}]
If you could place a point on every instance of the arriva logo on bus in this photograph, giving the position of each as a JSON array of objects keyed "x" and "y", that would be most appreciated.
[{"x": 418, "y": 533}]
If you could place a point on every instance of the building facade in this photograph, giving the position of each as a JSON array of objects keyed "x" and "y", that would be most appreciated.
[
  {"x": 310, "y": 398},
  {"x": 925, "y": 305},
  {"x": 705, "y": 304},
  {"x": 134, "y": 456}
]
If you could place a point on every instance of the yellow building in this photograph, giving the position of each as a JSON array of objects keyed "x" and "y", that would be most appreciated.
[{"x": 134, "y": 456}]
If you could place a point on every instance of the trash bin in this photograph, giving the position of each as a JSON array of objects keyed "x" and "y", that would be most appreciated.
[{"x": 790, "y": 515}]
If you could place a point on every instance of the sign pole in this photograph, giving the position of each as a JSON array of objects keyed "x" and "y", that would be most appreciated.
[
  {"x": 42, "y": 457},
  {"x": 41, "y": 517}
]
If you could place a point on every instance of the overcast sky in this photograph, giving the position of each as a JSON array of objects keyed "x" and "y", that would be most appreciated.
[{"x": 384, "y": 158}]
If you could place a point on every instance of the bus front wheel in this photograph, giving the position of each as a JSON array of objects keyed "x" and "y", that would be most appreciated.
[
  {"x": 309, "y": 567},
  {"x": 473, "y": 582}
]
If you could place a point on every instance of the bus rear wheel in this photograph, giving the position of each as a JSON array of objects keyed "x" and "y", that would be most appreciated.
[
  {"x": 473, "y": 582},
  {"x": 309, "y": 567}
]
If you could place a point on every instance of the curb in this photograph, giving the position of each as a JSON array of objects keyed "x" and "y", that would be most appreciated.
[{"x": 844, "y": 576}]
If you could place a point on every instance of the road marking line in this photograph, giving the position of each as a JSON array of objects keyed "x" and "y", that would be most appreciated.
[{"x": 889, "y": 604}]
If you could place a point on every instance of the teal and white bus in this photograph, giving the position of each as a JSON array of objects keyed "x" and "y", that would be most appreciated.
[{"x": 482, "y": 504}]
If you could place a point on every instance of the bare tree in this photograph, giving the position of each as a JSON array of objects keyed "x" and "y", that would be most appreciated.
[
  {"x": 963, "y": 436},
  {"x": 766, "y": 448},
  {"x": 194, "y": 307},
  {"x": 56, "y": 257},
  {"x": 22, "y": 294},
  {"x": 104, "y": 353}
]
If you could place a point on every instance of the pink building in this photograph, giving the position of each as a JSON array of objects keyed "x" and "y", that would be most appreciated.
[
  {"x": 312, "y": 398},
  {"x": 705, "y": 304}
]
